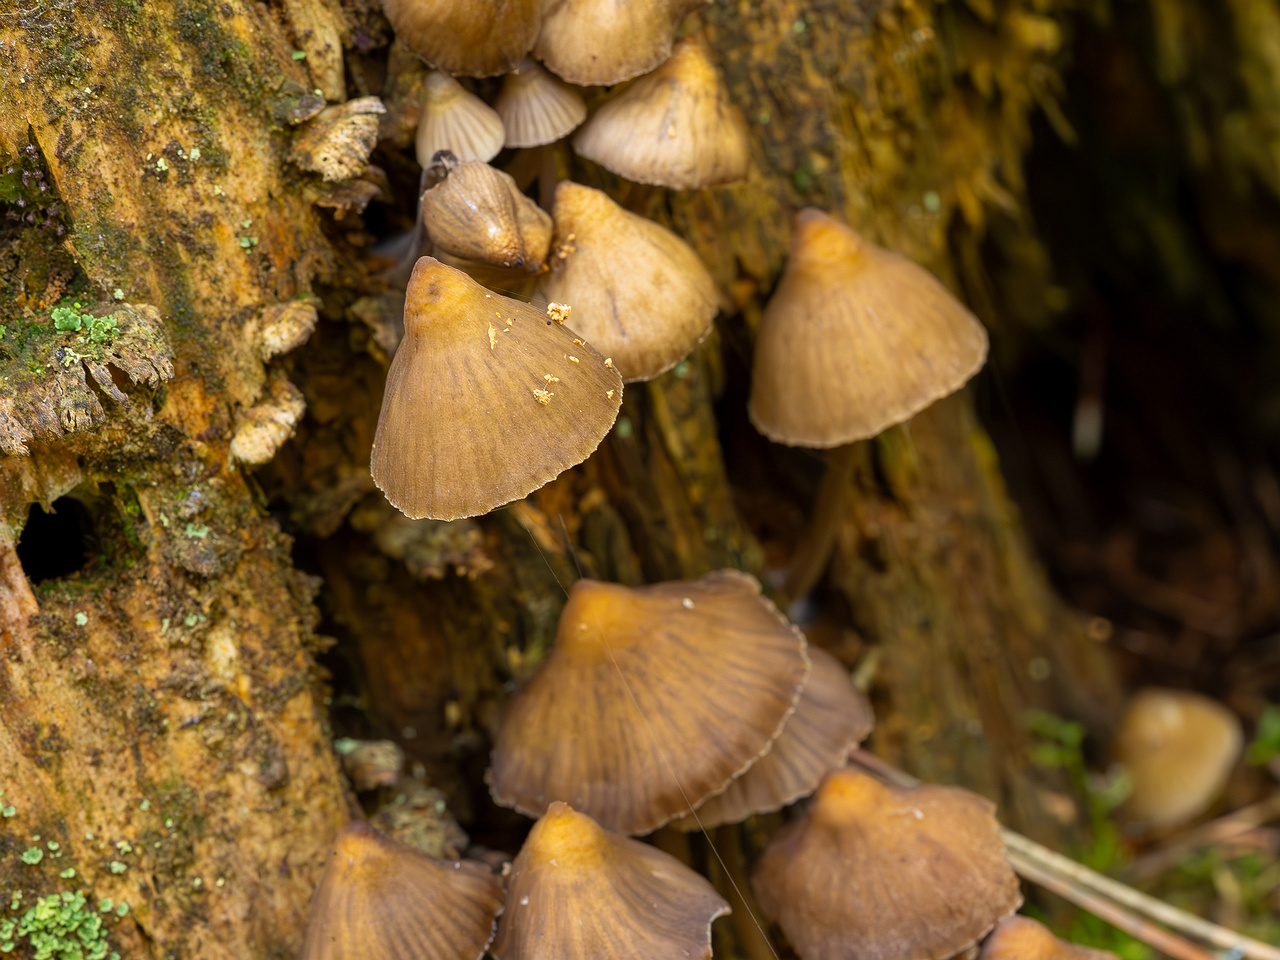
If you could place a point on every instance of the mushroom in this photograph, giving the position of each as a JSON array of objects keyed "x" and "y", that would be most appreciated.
[
  {"x": 579, "y": 892},
  {"x": 652, "y": 699},
  {"x": 537, "y": 108},
  {"x": 1021, "y": 938},
  {"x": 639, "y": 293},
  {"x": 832, "y": 717},
  {"x": 873, "y": 872},
  {"x": 675, "y": 127},
  {"x": 602, "y": 42},
  {"x": 479, "y": 213},
  {"x": 456, "y": 120},
  {"x": 854, "y": 340},
  {"x": 1179, "y": 748},
  {"x": 472, "y": 38},
  {"x": 382, "y": 900},
  {"x": 487, "y": 399}
]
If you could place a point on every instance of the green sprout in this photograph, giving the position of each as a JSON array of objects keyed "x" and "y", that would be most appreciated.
[{"x": 1266, "y": 737}]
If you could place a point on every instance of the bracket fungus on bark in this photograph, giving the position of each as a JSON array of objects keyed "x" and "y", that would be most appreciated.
[
  {"x": 478, "y": 213},
  {"x": 873, "y": 872},
  {"x": 674, "y": 128},
  {"x": 639, "y": 293},
  {"x": 537, "y": 108},
  {"x": 472, "y": 38},
  {"x": 854, "y": 340},
  {"x": 336, "y": 143},
  {"x": 580, "y": 892},
  {"x": 382, "y": 900},
  {"x": 487, "y": 400},
  {"x": 653, "y": 698},
  {"x": 1021, "y": 938},
  {"x": 456, "y": 120},
  {"x": 603, "y": 42}
]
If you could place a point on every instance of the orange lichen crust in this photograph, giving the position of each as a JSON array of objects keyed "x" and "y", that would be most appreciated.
[
  {"x": 479, "y": 38},
  {"x": 1021, "y": 938}
]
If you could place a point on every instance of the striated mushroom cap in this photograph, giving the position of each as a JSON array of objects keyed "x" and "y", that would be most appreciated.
[
  {"x": 639, "y": 293},
  {"x": 487, "y": 399},
  {"x": 602, "y": 42},
  {"x": 674, "y": 128},
  {"x": 874, "y": 872},
  {"x": 471, "y": 38},
  {"x": 619, "y": 719},
  {"x": 537, "y": 108},
  {"x": 832, "y": 717},
  {"x": 382, "y": 900},
  {"x": 1021, "y": 938},
  {"x": 456, "y": 120},
  {"x": 854, "y": 340},
  {"x": 579, "y": 892},
  {"x": 479, "y": 213}
]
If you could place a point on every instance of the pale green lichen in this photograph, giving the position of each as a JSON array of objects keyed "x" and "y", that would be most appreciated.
[{"x": 61, "y": 927}]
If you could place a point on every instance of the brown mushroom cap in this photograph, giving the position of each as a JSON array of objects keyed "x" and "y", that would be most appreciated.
[
  {"x": 1021, "y": 938},
  {"x": 487, "y": 399},
  {"x": 602, "y": 42},
  {"x": 832, "y": 717},
  {"x": 652, "y": 699},
  {"x": 1180, "y": 748},
  {"x": 467, "y": 38},
  {"x": 382, "y": 900},
  {"x": 537, "y": 108},
  {"x": 854, "y": 340},
  {"x": 873, "y": 872},
  {"x": 456, "y": 120},
  {"x": 579, "y": 892},
  {"x": 675, "y": 127},
  {"x": 479, "y": 213},
  {"x": 639, "y": 293}
]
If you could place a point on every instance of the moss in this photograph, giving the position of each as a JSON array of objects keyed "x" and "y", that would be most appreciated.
[{"x": 62, "y": 926}]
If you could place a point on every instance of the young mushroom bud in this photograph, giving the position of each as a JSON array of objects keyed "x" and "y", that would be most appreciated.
[
  {"x": 603, "y": 42},
  {"x": 467, "y": 38},
  {"x": 456, "y": 120},
  {"x": 1021, "y": 938},
  {"x": 537, "y": 108},
  {"x": 479, "y": 213}
]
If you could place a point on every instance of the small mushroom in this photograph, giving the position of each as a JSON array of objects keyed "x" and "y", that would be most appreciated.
[
  {"x": 382, "y": 900},
  {"x": 602, "y": 42},
  {"x": 1179, "y": 748},
  {"x": 675, "y": 127},
  {"x": 579, "y": 892},
  {"x": 639, "y": 293},
  {"x": 456, "y": 120},
  {"x": 873, "y": 872},
  {"x": 467, "y": 38},
  {"x": 482, "y": 404},
  {"x": 478, "y": 213},
  {"x": 537, "y": 108},
  {"x": 1021, "y": 938},
  {"x": 854, "y": 340},
  {"x": 616, "y": 721}
]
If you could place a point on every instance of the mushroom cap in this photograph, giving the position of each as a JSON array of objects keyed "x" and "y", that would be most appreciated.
[
  {"x": 832, "y": 717},
  {"x": 579, "y": 892},
  {"x": 456, "y": 120},
  {"x": 382, "y": 900},
  {"x": 602, "y": 42},
  {"x": 478, "y": 212},
  {"x": 1180, "y": 748},
  {"x": 483, "y": 404},
  {"x": 472, "y": 38},
  {"x": 618, "y": 720},
  {"x": 1021, "y": 938},
  {"x": 873, "y": 872},
  {"x": 675, "y": 127},
  {"x": 639, "y": 293},
  {"x": 537, "y": 108},
  {"x": 854, "y": 340}
]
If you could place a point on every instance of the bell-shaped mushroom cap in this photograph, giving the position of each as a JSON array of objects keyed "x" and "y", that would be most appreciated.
[
  {"x": 602, "y": 42},
  {"x": 537, "y": 108},
  {"x": 832, "y": 717},
  {"x": 479, "y": 213},
  {"x": 1180, "y": 748},
  {"x": 579, "y": 892},
  {"x": 467, "y": 38},
  {"x": 873, "y": 872},
  {"x": 639, "y": 293},
  {"x": 1021, "y": 938},
  {"x": 382, "y": 900},
  {"x": 674, "y": 128},
  {"x": 854, "y": 340},
  {"x": 651, "y": 695},
  {"x": 456, "y": 120},
  {"x": 487, "y": 399}
]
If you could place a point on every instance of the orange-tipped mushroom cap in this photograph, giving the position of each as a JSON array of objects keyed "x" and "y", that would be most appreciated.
[
  {"x": 855, "y": 339},
  {"x": 537, "y": 108},
  {"x": 652, "y": 699},
  {"x": 579, "y": 892},
  {"x": 487, "y": 399},
  {"x": 639, "y": 293},
  {"x": 479, "y": 213},
  {"x": 467, "y": 38},
  {"x": 831, "y": 718},
  {"x": 456, "y": 120},
  {"x": 882, "y": 873},
  {"x": 1021, "y": 938},
  {"x": 674, "y": 128},
  {"x": 382, "y": 900},
  {"x": 602, "y": 42}
]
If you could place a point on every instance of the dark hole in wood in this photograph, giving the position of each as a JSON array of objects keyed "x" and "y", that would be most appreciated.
[{"x": 54, "y": 545}]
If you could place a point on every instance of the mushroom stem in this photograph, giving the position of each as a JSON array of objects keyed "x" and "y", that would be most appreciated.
[
  {"x": 673, "y": 843},
  {"x": 548, "y": 177},
  {"x": 524, "y": 168},
  {"x": 819, "y": 537},
  {"x": 746, "y": 912}
]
